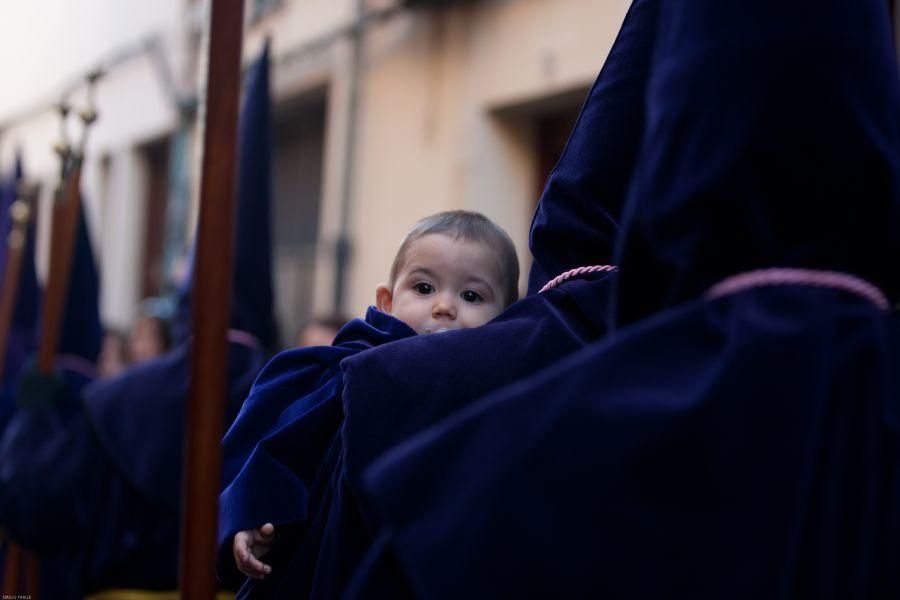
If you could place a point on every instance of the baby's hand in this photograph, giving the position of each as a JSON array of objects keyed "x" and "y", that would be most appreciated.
[{"x": 249, "y": 546}]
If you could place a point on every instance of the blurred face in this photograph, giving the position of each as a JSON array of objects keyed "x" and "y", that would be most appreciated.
[
  {"x": 112, "y": 356},
  {"x": 145, "y": 341},
  {"x": 444, "y": 284},
  {"x": 316, "y": 334}
]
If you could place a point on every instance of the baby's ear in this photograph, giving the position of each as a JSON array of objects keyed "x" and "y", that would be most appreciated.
[{"x": 383, "y": 298}]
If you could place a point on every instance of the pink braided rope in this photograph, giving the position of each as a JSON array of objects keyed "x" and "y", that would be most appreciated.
[
  {"x": 76, "y": 364},
  {"x": 571, "y": 273},
  {"x": 825, "y": 279},
  {"x": 239, "y": 336}
]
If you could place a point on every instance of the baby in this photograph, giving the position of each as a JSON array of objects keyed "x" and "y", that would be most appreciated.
[{"x": 454, "y": 270}]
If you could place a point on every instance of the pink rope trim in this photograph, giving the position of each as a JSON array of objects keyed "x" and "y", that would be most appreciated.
[
  {"x": 826, "y": 279},
  {"x": 244, "y": 338},
  {"x": 76, "y": 364},
  {"x": 571, "y": 273}
]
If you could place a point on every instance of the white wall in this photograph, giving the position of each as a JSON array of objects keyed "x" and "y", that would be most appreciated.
[
  {"x": 47, "y": 46},
  {"x": 431, "y": 136},
  {"x": 435, "y": 130}
]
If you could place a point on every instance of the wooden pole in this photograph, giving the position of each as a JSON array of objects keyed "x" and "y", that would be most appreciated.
[
  {"x": 20, "y": 213},
  {"x": 65, "y": 221},
  {"x": 65, "y": 217},
  {"x": 211, "y": 308},
  {"x": 12, "y": 570},
  {"x": 66, "y": 213},
  {"x": 17, "y": 561}
]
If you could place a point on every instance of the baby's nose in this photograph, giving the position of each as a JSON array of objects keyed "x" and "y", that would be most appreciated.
[{"x": 444, "y": 307}]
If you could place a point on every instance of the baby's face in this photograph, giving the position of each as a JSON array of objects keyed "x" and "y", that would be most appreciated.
[{"x": 444, "y": 284}]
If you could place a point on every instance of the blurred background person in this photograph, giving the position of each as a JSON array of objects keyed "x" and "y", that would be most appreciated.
[
  {"x": 113, "y": 354},
  {"x": 320, "y": 331},
  {"x": 149, "y": 337}
]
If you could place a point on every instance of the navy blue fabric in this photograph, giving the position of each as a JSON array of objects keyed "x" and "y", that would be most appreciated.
[
  {"x": 7, "y": 197},
  {"x": 770, "y": 142},
  {"x": 253, "y": 298},
  {"x": 22, "y": 340},
  {"x": 7, "y": 386},
  {"x": 23, "y": 331},
  {"x": 252, "y": 306},
  {"x": 274, "y": 449},
  {"x": 101, "y": 487},
  {"x": 23, "y": 337},
  {"x": 82, "y": 332},
  {"x": 744, "y": 447},
  {"x": 576, "y": 223},
  {"x": 56, "y": 577},
  {"x": 654, "y": 466},
  {"x": 389, "y": 393},
  {"x": 47, "y": 415},
  {"x": 7, "y": 402},
  {"x": 395, "y": 391}
]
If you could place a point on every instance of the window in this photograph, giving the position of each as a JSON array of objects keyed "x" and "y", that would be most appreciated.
[
  {"x": 156, "y": 161},
  {"x": 261, "y": 8},
  {"x": 298, "y": 155}
]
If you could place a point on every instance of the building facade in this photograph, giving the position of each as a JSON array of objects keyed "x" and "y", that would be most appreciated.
[{"x": 385, "y": 111}]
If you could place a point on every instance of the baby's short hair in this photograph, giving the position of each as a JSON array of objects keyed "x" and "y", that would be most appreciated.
[{"x": 472, "y": 227}]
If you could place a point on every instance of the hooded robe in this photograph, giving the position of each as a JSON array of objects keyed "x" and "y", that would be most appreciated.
[
  {"x": 101, "y": 488},
  {"x": 394, "y": 391},
  {"x": 743, "y": 443}
]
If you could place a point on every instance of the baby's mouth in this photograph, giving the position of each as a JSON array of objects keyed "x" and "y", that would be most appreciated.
[{"x": 429, "y": 330}]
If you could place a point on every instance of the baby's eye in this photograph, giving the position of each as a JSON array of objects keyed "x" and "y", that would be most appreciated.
[
  {"x": 424, "y": 288},
  {"x": 471, "y": 296}
]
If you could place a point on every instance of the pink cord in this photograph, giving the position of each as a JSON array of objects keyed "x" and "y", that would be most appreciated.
[
  {"x": 244, "y": 338},
  {"x": 571, "y": 273},
  {"x": 76, "y": 364},
  {"x": 809, "y": 277}
]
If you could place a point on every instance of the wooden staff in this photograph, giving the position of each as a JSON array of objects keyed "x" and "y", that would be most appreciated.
[
  {"x": 20, "y": 212},
  {"x": 12, "y": 570},
  {"x": 65, "y": 218},
  {"x": 18, "y": 559},
  {"x": 211, "y": 308},
  {"x": 66, "y": 213}
]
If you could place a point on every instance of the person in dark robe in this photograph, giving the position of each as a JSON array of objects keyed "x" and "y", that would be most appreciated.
[
  {"x": 102, "y": 488},
  {"x": 8, "y": 194},
  {"x": 739, "y": 435},
  {"x": 454, "y": 270},
  {"x": 22, "y": 340},
  {"x": 394, "y": 391},
  {"x": 22, "y": 337},
  {"x": 81, "y": 332},
  {"x": 75, "y": 368}
]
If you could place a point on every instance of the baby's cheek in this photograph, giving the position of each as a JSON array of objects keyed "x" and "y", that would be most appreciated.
[
  {"x": 481, "y": 315},
  {"x": 492, "y": 312}
]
